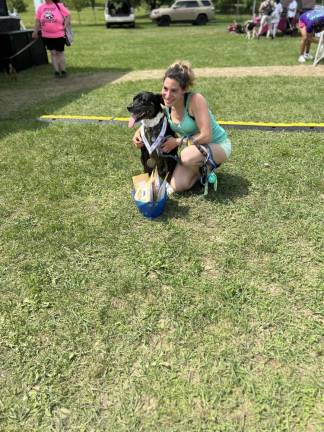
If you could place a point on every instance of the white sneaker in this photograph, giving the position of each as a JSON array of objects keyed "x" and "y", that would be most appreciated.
[
  {"x": 169, "y": 189},
  {"x": 301, "y": 59},
  {"x": 308, "y": 56}
]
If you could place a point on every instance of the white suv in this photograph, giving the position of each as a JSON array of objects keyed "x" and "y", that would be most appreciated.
[
  {"x": 194, "y": 11},
  {"x": 119, "y": 13}
]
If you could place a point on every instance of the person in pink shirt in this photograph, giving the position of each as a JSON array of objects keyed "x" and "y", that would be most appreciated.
[{"x": 51, "y": 19}]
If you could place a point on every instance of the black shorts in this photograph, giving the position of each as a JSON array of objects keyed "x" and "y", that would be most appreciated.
[{"x": 56, "y": 44}]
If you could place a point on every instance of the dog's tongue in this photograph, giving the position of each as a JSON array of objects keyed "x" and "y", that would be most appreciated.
[{"x": 131, "y": 122}]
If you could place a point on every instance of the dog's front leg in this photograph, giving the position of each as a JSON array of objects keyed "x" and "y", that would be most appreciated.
[{"x": 144, "y": 158}]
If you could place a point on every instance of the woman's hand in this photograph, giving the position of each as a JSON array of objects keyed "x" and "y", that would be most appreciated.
[
  {"x": 137, "y": 140},
  {"x": 36, "y": 29},
  {"x": 170, "y": 144}
]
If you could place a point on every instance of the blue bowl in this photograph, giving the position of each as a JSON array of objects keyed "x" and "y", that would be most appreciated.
[{"x": 153, "y": 209}]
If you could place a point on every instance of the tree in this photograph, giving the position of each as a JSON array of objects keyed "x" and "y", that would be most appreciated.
[
  {"x": 77, "y": 5},
  {"x": 93, "y": 6},
  {"x": 229, "y": 6}
]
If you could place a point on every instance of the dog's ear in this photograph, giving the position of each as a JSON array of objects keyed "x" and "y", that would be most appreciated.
[
  {"x": 159, "y": 98},
  {"x": 147, "y": 96}
]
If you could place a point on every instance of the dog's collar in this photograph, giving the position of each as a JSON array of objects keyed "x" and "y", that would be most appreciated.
[
  {"x": 159, "y": 139},
  {"x": 154, "y": 121}
]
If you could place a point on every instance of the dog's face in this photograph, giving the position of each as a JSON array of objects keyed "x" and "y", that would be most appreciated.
[{"x": 145, "y": 105}]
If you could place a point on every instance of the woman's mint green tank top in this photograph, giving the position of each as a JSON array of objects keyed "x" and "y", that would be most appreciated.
[{"x": 188, "y": 125}]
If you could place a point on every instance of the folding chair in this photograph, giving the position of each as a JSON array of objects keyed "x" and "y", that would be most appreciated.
[{"x": 320, "y": 50}]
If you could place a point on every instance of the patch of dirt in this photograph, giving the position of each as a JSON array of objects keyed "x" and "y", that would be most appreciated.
[
  {"x": 263, "y": 71},
  {"x": 51, "y": 88},
  {"x": 16, "y": 98}
]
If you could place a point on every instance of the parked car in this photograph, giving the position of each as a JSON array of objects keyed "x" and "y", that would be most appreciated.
[
  {"x": 119, "y": 13},
  {"x": 193, "y": 11}
]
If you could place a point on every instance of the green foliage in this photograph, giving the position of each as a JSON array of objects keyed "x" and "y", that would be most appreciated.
[
  {"x": 19, "y": 5},
  {"x": 77, "y": 5},
  {"x": 229, "y": 6}
]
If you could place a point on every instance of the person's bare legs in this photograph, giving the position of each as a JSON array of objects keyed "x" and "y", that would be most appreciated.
[
  {"x": 60, "y": 60},
  {"x": 268, "y": 22},
  {"x": 308, "y": 42},
  {"x": 304, "y": 40},
  {"x": 183, "y": 178},
  {"x": 187, "y": 173},
  {"x": 54, "y": 61},
  {"x": 262, "y": 24}
]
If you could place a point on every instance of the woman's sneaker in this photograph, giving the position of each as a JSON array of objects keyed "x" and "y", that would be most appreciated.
[
  {"x": 63, "y": 74},
  {"x": 301, "y": 59},
  {"x": 57, "y": 74}
]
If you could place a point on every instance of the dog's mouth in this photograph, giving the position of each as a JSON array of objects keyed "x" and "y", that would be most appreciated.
[{"x": 133, "y": 119}]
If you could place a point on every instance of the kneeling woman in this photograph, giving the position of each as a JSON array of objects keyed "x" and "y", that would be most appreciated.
[{"x": 189, "y": 117}]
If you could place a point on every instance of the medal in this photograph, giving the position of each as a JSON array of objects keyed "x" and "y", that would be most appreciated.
[
  {"x": 151, "y": 163},
  {"x": 159, "y": 139}
]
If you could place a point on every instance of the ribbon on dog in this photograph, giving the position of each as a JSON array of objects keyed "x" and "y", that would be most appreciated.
[{"x": 159, "y": 139}]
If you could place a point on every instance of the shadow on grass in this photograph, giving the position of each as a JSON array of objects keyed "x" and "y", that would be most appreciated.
[
  {"x": 230, "y": 188},
  {"x": 37, "y": 92},
  {"x": 174, "y": 209}
]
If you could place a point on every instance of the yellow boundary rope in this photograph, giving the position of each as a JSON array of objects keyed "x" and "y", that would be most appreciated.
[{"x": 225, "y": 123}]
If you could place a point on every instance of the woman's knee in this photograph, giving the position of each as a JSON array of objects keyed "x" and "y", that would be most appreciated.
[{"x": 191, "y": 156}]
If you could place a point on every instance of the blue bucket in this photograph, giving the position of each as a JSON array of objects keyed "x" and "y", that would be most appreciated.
[{"x": 152, "y": 209}]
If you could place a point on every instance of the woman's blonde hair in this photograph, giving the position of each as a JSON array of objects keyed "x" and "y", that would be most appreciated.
[{"x": 182, "y": 72}]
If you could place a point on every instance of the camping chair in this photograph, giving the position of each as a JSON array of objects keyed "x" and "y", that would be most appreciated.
[{"x": 320, "y": 50}]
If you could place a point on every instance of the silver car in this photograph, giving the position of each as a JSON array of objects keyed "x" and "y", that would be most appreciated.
[{"x": 193, "y": 11}]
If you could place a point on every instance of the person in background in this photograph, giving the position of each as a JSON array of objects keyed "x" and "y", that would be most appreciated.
[
  {"x": 265, "y": 11},
  {"x": 51, "y": 19},
  {"x": 275, "y": 18},
  {"x": 291, "y": 16},
  {"x": 190, "y": 118},
  {"x": 310, "y": 22}
]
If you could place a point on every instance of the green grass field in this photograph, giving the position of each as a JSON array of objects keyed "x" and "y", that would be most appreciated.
[{"x": 209, "y": 318}]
